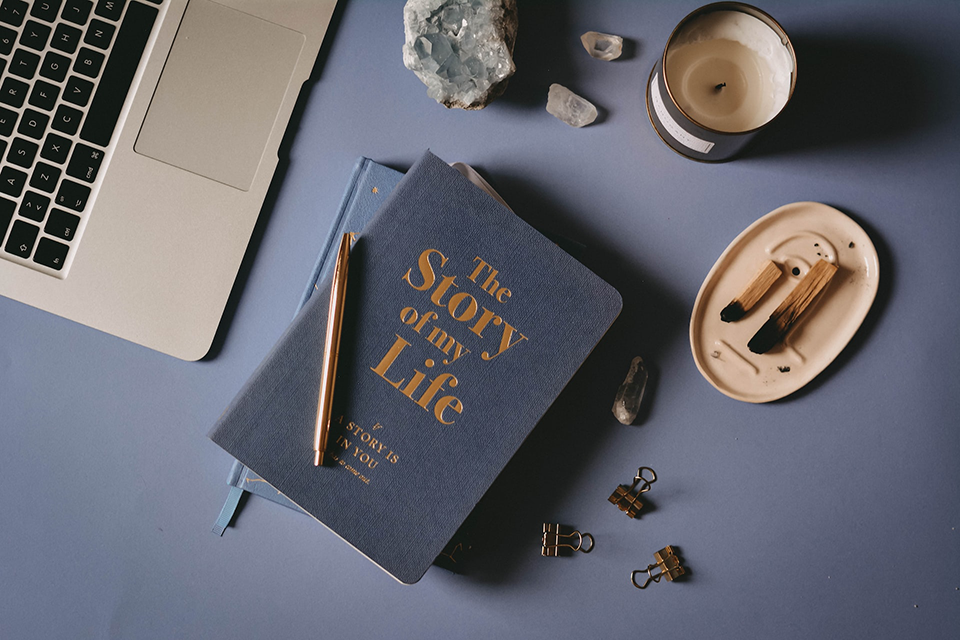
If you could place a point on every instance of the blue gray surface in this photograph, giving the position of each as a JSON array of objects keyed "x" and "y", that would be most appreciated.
[{"x": 832, "y": 513}]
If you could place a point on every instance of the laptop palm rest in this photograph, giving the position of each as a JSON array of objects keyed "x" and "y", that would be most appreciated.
[{"x": 219, "y": 93}]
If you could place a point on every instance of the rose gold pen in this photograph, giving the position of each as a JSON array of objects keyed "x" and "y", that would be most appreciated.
[{"x": 331, "y": 348}]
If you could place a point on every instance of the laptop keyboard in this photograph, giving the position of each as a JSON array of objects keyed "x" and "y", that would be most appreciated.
[{"x": 66, "y": 67}]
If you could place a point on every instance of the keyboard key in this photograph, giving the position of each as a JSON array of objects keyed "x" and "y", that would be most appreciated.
[
  {"x": 71, "y": 195},
  {"x": 118, "y": 74},
  {"x": 67, "y": 120},
  {"x": 34, "y": 206},
  {"x": 35, "y": 35},
  {"x": 24, "y": 63},
  {"x": 77, "y": 11},
  {"x": 13, "y": 92},
  {"x": 55, "y": 148},
  {"x": 99, "y": 34},
  {"x": 13, "y": 12},
  {"x": 33, "y": 124},
  {"x": 8, "y": 119},
  {"x": 62, "y": 224},
  {"x": 66, "y": 38},
  {"x": 78, "y": 91},
  {"x": 22, "y": 237},
  {"x": 8, "y": 38},
  {"x": 3, "y": 147},
  {"x": 85, "y": 163},
  {"x": 12, "y": 181},
  {"x": 22, "y": 153},
  {"x": 45, "y": 177},
  {"x": 110, "y": 9},
  {"x": 46, "y": 9},
  {"x": 88, "y": 62},
  {"x": 6, "y": 215},
  {"x": 51, "y": 253},
  {"x": 55, "y": 66},
  {"x": 44, "y": 95}
]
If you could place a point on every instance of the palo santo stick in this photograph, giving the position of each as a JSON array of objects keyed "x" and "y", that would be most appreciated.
[
  {"x": 768, "y": 274},
  {"x": 792, "y": 307}
]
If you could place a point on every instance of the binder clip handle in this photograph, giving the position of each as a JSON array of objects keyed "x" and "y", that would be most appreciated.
[
  {"x": 566, "y": 545},
  {"x": 646, "y": 483},
  {"x": 580, "y": 539},
  {"x": 650, "y": 577},
  {"x": 552, "y": 535},
  {"x": 668, "y": 563}
]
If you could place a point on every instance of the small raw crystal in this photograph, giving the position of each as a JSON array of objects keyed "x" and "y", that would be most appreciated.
[
  {"x": 565, "y": 105},
  {"x": 461, "y": 49},
  {"x": 630, "y": 395},
  {"x": 602, "y": 45}
]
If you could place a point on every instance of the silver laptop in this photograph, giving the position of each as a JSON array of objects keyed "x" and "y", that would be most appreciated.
[{"x": 138, "y": 139}]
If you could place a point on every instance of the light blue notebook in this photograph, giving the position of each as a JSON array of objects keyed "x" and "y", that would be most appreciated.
[{"x": 370, "y": 184}]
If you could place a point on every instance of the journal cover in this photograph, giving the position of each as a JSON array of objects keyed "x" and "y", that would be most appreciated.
[{"x": 463, "y": 325}]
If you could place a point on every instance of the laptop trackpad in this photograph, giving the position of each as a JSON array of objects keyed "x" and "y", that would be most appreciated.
[{"x": 219, "y": 93}]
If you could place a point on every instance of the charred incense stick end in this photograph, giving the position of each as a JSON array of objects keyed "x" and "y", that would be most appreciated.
[
  {"x": 733, "y": 312},
  {"x": 768, "y": 335}
]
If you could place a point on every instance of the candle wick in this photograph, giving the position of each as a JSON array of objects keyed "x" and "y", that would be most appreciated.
[{"x": 720, "y": 86}]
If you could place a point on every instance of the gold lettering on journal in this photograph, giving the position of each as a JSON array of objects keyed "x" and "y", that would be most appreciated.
[
  {"x": 457, "y": 314},
  {"x": 359, "y": 450}
]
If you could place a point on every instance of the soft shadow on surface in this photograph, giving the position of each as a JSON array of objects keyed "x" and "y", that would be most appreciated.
[
  {"x": 649, "y": 393},
  {"x": 630, "y": 50},
  {"x": 507, "y": 524},
  {"x": 851, "y": 92},
  {"x": 233, "y": 301},
  {"x": 602, "y": 114},
  {"x": 542, "y": 54},
  {"x": 887, "y": 269}
]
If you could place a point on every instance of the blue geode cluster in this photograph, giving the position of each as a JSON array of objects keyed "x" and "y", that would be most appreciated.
[{"x": 461, "y": 49}]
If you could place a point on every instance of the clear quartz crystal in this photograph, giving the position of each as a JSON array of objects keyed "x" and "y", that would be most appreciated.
[
  {"x": 567, "y": 106},
  {"x": 630, "y": 395},
  {"x": 602, "y": 45}
]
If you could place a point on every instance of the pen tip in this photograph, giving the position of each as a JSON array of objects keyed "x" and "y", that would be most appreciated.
[{"x": 318, "y": 458}]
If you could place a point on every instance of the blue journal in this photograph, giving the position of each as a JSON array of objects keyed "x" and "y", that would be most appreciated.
[{"x": 463, "y": 324}]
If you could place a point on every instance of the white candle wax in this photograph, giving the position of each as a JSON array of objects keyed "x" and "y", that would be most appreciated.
[{"x": 729, "y": 71}]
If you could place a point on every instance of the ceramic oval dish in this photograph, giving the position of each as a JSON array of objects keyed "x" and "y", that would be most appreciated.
[{"x": 795, "y": 236}]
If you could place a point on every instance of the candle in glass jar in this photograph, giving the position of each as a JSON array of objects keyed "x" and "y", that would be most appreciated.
[{"x": 729, "y": 71}]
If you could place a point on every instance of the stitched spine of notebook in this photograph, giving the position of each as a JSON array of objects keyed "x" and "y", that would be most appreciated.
[{"x": 370, "y": 183}]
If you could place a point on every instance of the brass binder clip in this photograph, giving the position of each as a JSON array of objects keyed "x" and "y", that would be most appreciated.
[
  {"x": 628, "y": 500},
  {"x": 668, "y": 563},
  {"x": 552, "y": 535}
]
